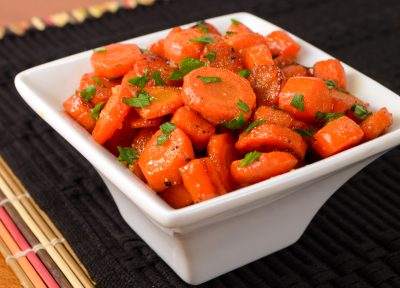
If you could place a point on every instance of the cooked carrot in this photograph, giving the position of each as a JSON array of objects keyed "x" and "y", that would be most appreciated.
[
  {"x": 240, "y": 41},
  {"x": 135, "y": 168},
  {"x": 177, "y": 196},
  {"x": 266, "y": 81},
  {"x": 198, "y": 129},
  {"x": 376, "y": 124},
  {"x": 294, "y": 70},
  {"x": 266, "y": 166},
  {"x": 332, "y": 70},
  {"x": 141, "y": 138},
  {"x": 206, "y": 28},
  {"x": 271, "y": 115},
  {"x": 121, "y": 137},
  {"x": 160, "y": 162},
  {"x": 303, "y": 97},
  {"x": 79, "y": 111},
  {"x": 221, "y": 153},
  {"x": 219, "y": 95},
  {"x": 154, "y": 68},
  {"x": 181, "y": 43},
  {"x": 222, "y": 55},
  {"x": 115, "y": 60},
  {"x": 257, "y": 55},
  {"x": 238, "y": 27},
  {"x": 101, "y": 86},
  {"x": 139, "y": 122},
  {"x": 197, "y": 181},
  {"x": 336, "y": 136},
  {"x": 343, "y": 101},
  {"x": 267, "y": 137},
  {"x": 281, "y": 44},
  {"x": 157, "y": 48}
]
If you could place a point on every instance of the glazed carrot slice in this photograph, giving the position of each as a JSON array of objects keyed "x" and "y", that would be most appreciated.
[
  {"x": 157, "y": 48},
  {"x": 303, "y": 97},
  {"x": 343, "y": 101},
  {"x": 221, "y": 153},
  {"x": 177, "y": 196},
  {"x": 240, "y": 41},
  {"x": 198, "y": 129},
  {"x": 271, "y": 115},
  {"x": 281, "y": 44},
  {"x": 266, "y": 166},
  {"x": 181, "y": 44},
  {"x": 197, "y": 181},
  {"x": 257, "y": 55},
  {"x": 79, "y": 111},
  {"x": 160, "y": 162},
  {"x": 222, "y": 55},
  {"x": 294, "y": 70},
  {"x": 121, "y": 137},
  {"x": 376, "y": 124},
  {"x": 139, "y": 122},
  {"x": 238, "y": 27},
  {"x": 267, "y": 137},
  {"x": 336, "y": 136},
  {"x": 267, "y": 81},
  {"x": 219, "y": 95},
  {"x": 332, "y": 70},
  {"x": 154, "y": 68},
  {"x": 100, "y": 85},
  {"x": 115, "y": 60},
  {"x": 206, "y": 28}
]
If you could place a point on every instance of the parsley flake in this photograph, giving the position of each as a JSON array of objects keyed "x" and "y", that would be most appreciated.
[
  {"x": 186, "y": 65},
  {"x": 203, "y": 39},
  {"x": 305, "y": 132},
  {"x": 142, "y": 100},
  {"x": 236, "y": 123},
  {"x": 298, "y": 102},
  {"x": 88, "y": 93},
  {"x": 127, "y": 155},
  {"x": 95, "y": 111},
  {"x": 360, "y": 111},
  {"x": 211, "y": 56},
  {"x": 209, "y": 79},
  {"x": 243, "y": 106},
  {"x": 157, "y": 78},
  {"x": 254, "y": 124},
  {"x": 230, "y": 33},
  {"x": 97, "y": 81},
  {"x": 328, "y": 116},
  {"x": 330, "y": 84},
  {"x": 166, "y": 129},
  {"x": 244, "y": 73},
  {"x": 139, "y": 81},
  {"x": 250, "y": 158},
  {"x": 235, "y": 22},
  {"x": 100, "y": 50},
  {"x": 202, "y": 26}
]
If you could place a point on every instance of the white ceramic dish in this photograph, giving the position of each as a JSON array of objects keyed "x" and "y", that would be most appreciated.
[{"x": 205, "y": 240}]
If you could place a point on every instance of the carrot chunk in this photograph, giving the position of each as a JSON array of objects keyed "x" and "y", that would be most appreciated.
[
  {"x": 332, "y": 70},
  {"x": 141, "y": 138},
  {"x": 270, "y": 115},
  {"x": 79, "y": 111},
  {"x": 198, "y": 129},
  {"x": 197, "y": 181},
  {"x": 294, "y": 70},
  {"x": 281, "y": 44},
  {"x": 267, "y": 137},
  {"x": 303, "y": 97},
  {"x": 139, "y": 122},
  {"x": 206, "y": 28},
  {"x": 376, "y": 124},
  {"x": 157, "y": 48},
  {"x": 160, "y": 162},
  {"x": 240, "y": 41},
  {"x": 154, "y": 69},
  {"x": 177, "y": 196},
  {"x": 257, "y": 55},
  {"x": 115, "y": 60},
  {"x": 343, "y": 101},
  {"x": 266, "y": 166},
  {"x": 219, "y": 95},
  {"x": 238, "y": 27},
  {"x": 100, "y": 85},
  {"x": 222, "y": 55},
  {"x": 336, "y": 136}
]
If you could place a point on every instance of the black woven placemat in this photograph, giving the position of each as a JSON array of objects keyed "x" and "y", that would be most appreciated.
[{"x": 354, "y": 241}]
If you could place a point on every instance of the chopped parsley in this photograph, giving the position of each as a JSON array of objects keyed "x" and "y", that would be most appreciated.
[
  {"x": 230, "y": 32},
  {"x": 330, "y": 84},
  {"x": 203, "y": 39},
  {"x": 209, "y": 79},
  {"x": 242, "y": 106},
  {"x": 305, "y": 132},
  {"x": 328, "y": 116},
  {"x": 250, "y": 158},
  {"x": 298, "y": 102},
  {"x": 235, "y": 22},
  {"x": 95, "y": 111},
  {"x": 211, "y": 56},
  {"x": 139, "y": 81},
  {"x": 235, "y": 123},
  {"x": 100, "y": 50},
  {"x": 88, "y": 93},
  {"x": 202, "y": 26},
  {"x": 127, "y": 155},
  {"x": 244, "y": 73},
  {"x": 142, "y": 100},
  {"x": 157, "y": 78},
  {"x": 360, "y": 111},
  {"x": 166, "y": 129},
  {"x": 97, "y": 81},
  {"x": 254, "y": 124},
  {"x": 186, "y": 65}
]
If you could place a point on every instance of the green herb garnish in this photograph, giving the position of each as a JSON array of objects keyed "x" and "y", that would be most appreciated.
[
  {"x": 250, "y": 158},
  {"x": 100, "y": 50},
  {"x": 328, "y": 116},
  {"x": 202, "y": 26},
  {"x": 230, "y": 33},
  {"x": 298, "y": 102},
  {"x": 186, "y": 65},
  {"x": 360, "y": 111},
  {"x": 142, "y": 99},
  {"x": 97, "y": 81},
  {"x": 203, "y": 39},
  {"x": 305, "y": 132},
  {"x": 242, "y": 106},
  {"x": 254, "y": 124},
  {"x": 157, "y": 78},
  {"x": 166, "y": 129},
  {"x": 139, "y": 81},
  {"x": 88, "y": 93},
  {"x": 235, "y": 22},
  {"x": 95, "y": 111},
  {"x": 235, "y": 123},
  {"x": 211, "y": 56},
  {"x": 127, "y": 155},
  {"x": 209, "y": 79},
  {"x": 244, "y": 73},
  {"x": 330, "y": 84}
]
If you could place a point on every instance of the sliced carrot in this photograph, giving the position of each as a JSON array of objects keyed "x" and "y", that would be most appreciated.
[
  {"x": 268, "y": 165},
  {"x": 376, "y": 124},
  {"x": 197, "y": 181},
  {"x": 181, "y": 43},
  {"x": 115, "y": 60},
  {"x": 267, "y": 81},
  {"x": 336, "y": 136},
  {"x": 221, "y": 153},
  {"x": 121, "y": 137},
  {"x": 343, "y": 101},
  {"x": 79, "y": 111},
  {"x": 267, "y": 137},
  {"x": 135, "y": 168},
  {"x": 101, "y": 85},
  {"x": 177, "y": 196},
  {"x": 206, "y": 28},
  {"x": 222, "y": 100},
  {"x": 157, "y": 48},
  {"x": 150, "y": 64},
  {"x": 160, "y": 163},
  {"x": 281, "y": 44},
  {"x": 331, "y": 69},
  {"x": 222, "y": 55},
  {"x": 238, "y": 27},
  {"x": 303, "y": 97},
  {"x": 271, "y": 115},
  {"x": 257, "y": 55},
  {"x": 164, "y": 101},
  {"x": 141, "y": 138},
  {"x": 198, "y": 129},
  {"x": 139, "y": 122},
  {"x": 294, "y": 70},
  {"x": 240, "y": 41}
]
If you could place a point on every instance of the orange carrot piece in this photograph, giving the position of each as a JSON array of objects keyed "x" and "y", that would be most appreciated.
[
  {"x": 177, "y": 196},
  {"x": 157, "y": 48},
  {"x": 206, "y": 28},
  {"x": 279, "y": 117},
  {"x": 115, "y": 60},
  {"x": 197, "y": 181},
  {"x": 336, "y": 136},
  {"x": 240, "y": 41},
  {"x": 268, "y": 165},
  {"x": 198, "y": 129},
  {"x": 149, "y": 64},
  {"x": 267, "y": 81},
  {"x": 331, "y": 69},
  {"x": 79, "y": 111},
  {"x": 376, "y": 124},
  {"x": 343, "y": 101},
  {"x": 267, "y": 137},
  {"x": 294, "y": 70},
  {"x": 222, "y": 55},
  {"x": 102, "y": 87},
  {"x": 139, "y": 122},
  {"x": 160, "y": 163},
  {"x": 303, "y": 97},
  {"x": 257, "y": 55},
  {"x": 238, "y": 27},
  {"x": 218, "y": 102},
  {"x": 141, "y": 138},
  {"x": 281, "y": 44}
]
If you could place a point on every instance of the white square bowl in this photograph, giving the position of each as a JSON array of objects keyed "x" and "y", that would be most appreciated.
[{"x": 208, "y": 239}]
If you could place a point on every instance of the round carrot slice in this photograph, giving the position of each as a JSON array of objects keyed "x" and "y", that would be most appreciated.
[
  {"x": 281, "y": 44},
  {"x": 271, "y": 115},
  {"x": 142, "y": 137},
  {"x": 222, "y": 55},
  {"x": 79, "y": 111},
  {"x": 219, "y": 95},
  {"x": 266, "y": 166},
  {"x": 160, "y": 162},
  {"x": 115, "y": 60},
  {"x": 177, "y": 196},
  {"x": 294, "y": 70},
  {"x": 101, "y": 85},
  {"x": 267, "y": 137},
  {"x": 139, "y": 122},
  {"x": 154, "y": 68},
  {"x": 376, "y": 124}
]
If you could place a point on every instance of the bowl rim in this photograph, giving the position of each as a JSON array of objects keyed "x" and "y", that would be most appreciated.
[{"x": 154, "y": 206}]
